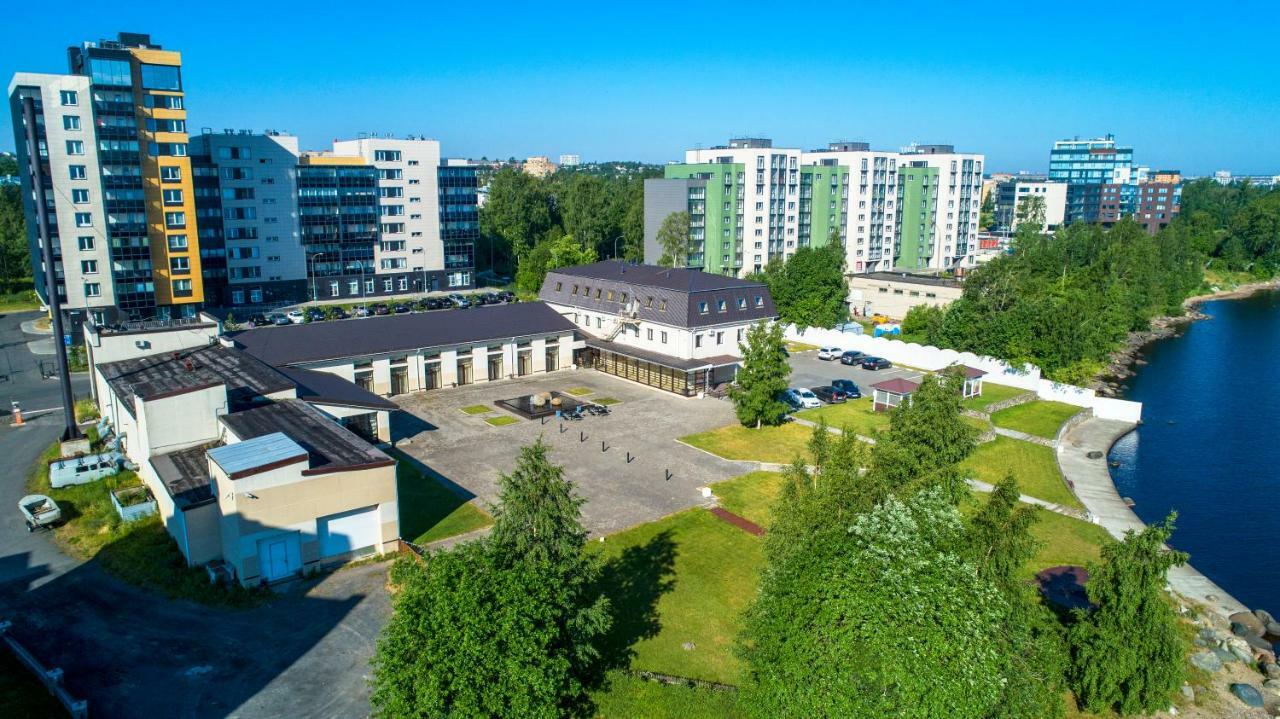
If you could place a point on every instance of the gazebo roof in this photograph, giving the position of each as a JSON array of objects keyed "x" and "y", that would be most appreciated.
[
  {"x": 897, "y": 385},
  {"x": 972, "y": 372}
]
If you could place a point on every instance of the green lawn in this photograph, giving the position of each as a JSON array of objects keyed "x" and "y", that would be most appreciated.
[
  {"x": 991, "y": 393},
  {"x": 682, "y": 580},
  {"x": 780, "y": 444},
  {"x": 979, "y": 424},
  {"x": 752, "y": 495},
  {"x": 19, "y": 301},
  {"x": 854, "y": 415},
  {"x": 1033, "y": 465},
  {"x": 793, "y": 346},
  {"x": 1039, "y": 418},
  {"x": 607, "y": 400},
  {"x": 579, "y": 391},
  {"x": 477, "y": 409},
  {"x": 627, "y": 697},
  {"x": 501, "y": 420},
  {"x": 429, "y": 510},
  {"x": 1066, "y": 541}
]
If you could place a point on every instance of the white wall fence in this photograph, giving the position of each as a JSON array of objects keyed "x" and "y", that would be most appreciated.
[{"x": 933, "y": 359}]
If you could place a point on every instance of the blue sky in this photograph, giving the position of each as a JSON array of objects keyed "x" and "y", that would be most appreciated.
[{"x": 1189, "y": 85}]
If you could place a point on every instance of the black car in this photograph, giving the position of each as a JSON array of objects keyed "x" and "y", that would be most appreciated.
[
  {"x": 258, "y": 320},
  {"x": 828, "y": 394},
  {"x": 317, "y": 314},
  {"x": 401, "y": 309},
  {"x": 847, "y": 387},
  {"x": 507, "y": 296},
  {"x": 874, "y": 363},
  {"x": 340, "y": 314},
  {"x": 852, "y": 357},
  {"x": 381, "y": 309},
  {"x": 491, "y": 298}
]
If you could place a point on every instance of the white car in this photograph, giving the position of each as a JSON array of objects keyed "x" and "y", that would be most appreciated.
[
  {"x": 295, "y": 317},
  {"x": 830, "y": 353},
  {"x": 801, "y": 398}
]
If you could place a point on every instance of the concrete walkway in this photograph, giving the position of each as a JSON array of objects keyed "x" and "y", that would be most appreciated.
[
  {"x": 1028, "y": 499},
  {"x": 1015, "y": 434},
  {"x": 1093, "y": 485}
]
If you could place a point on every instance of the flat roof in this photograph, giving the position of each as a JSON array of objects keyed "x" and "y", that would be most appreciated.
[
  {"x": 258, "y": 454},
  {"x": 658, "y": 358},
  {"x": 908, "y": 278},
  {"x": 338, "y": 339},
  {"x": 329, "y": 446},
  {"x": 185, "y": 475},
  {"x": 328, "y": 388},
  {"x": 167, "y": 374}
]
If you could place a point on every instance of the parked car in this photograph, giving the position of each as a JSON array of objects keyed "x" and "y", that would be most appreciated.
[
  {"x": 875, "y": 363},
  {"x": 800, "y": 398},
  {"x": 459, "y": 301},
  {"x": 829, "y": 353},
  {"x": 296, "y": 317},
  {"x": 339, "y": 314},
  {"x": 316, "y": 314},
  {"x": 507, "y": 296},
  {"x": 381, "y": 309},
  {"x": 258, "y": 320},
  {"x": 492, "y": 298},
  {"x": 828, "y": 394},
  {"x": 847, "y": 387},
  {"x": 401, "y": 309},
  {"x": 852, "y": 357},
  {"x": 361, "y": 311},
  {"x": 279, "y": 319}
]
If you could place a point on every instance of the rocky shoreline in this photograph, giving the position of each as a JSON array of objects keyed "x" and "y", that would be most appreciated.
[{"x": 1124, "y": 362}]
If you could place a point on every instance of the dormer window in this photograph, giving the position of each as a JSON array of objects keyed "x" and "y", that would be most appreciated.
[
  {"x": 558, "y": 285},
  {"x": 702, "y": 308},
  {"x": 721, "y": 305},
  {"x": 610, "y": 296},
  {"x": 663, "y": 307},
  {"x": 597, "y": 293},
  {"x": 759, "y": 301},
  {"x": 742, "y": 303},
  {"x": 649, "y": 303},
  {"x": 574, "y": 291}
]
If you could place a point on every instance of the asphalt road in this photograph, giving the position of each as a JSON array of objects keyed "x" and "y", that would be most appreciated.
[
  {"x": 22, "y": 370},
  {"x": 809, "y": 371}
]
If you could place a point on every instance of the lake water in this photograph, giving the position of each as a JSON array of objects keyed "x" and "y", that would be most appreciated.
[{"x": 1209, "y": 445}]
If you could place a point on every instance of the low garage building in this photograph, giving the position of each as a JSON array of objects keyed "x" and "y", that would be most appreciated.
[{"x": 894, "y": 293}]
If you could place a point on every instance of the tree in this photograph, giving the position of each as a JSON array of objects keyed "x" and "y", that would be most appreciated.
[
  {"x": 548, "y": 254},
  {"x": 999, "y": 540},
  {"x": 987, "y": 214},
  {"x": 923, "y": 323},
  {"x": 876, "y": 616},
  {"x": 809, "y": 290},
  {"x": 587, "y": 205},
  {"x": 1127, "y": 653},
  {"x": 1031, "y": 211},
  {"x": 926, "y": 440},
  {"x": 762, "y": 377},
  {"x": 504, "y": 626},
  {"x": 673, "y": 240},
  {"x": 15, "y": 256},
  {"x": 518, "y": 210},
  {"x": 633, "y": 222}
]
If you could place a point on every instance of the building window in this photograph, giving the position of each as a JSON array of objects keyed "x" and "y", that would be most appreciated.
[
  {"x": 387, "y": 285},
  {"x": 558, "y": 286},
  {"x": 178, "y": 243},
  {"x": 721, "y": 306},
  {"x": 649, "y": 334},
  {"x": 597, "y": 323},
  {"x": 664, "y": 337},
  {"x": 719, "y": 338},
  {"x": 175, "y": 219},
  {"x": 71, "y": 122},
  {"x": 161, "y": 77},
  {"x": 92, "y": 289},
  {"x": 759, "y": 301},
  {"x": 353, "y": 287},
  {"x": 334, "y": 290},
  {"x": 75, "y": 147},
  {"x": 237, "y": 297},
  {"x": 386, "y": 155},
  {"x": 77, "y": 172},
  {"x": 179, "y": 265},
  {"x": 173, "y": 197},
  {"x": 702, "y": 308},
  {"x": 80, "y": 197},
  {"x": 170, "y": 173},
  {"x": 742, "y": 303},
  {"x": 697, "y": 340},
  {"x": 85, "y": 243},
  {"x": 739, "y": 334},
  {"x": 182, "y": 288},
  {"x": 369, "y": 287},
  {"x": 403, "y": 283},
  {"x": 89, "y": 267},
  {"x": 69, "y": 99},
  {"x": 84, "y": 219}
]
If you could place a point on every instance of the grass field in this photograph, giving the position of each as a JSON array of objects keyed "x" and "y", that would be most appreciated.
[
  {"x": 627, "y": 697},
  {"x": 793, "y": 346},
  {"x": 579, "y": 391},
  {"x": 1039, "y": 418},
  {"x": 501, "y": 420},
  {"x": 477, "y": 409},
  {"x": 991, "y": 393},
  {"x": 679, "y": 582},
  {"x": 1033, "y": 465},
  {"x": 19, "y": 301},
  {"x": 429, "y": 510},
  {"x": 1066, "y": 541},
  {"x": 854, "y": 415},
  {"x": 780, "y": 444},
  {"x": 606, "y": 401},
  {"x": 752, "y": 495}
]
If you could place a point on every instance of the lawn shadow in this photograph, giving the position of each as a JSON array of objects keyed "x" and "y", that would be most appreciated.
[
  {"x": 634, "y": 581},
  {"x": 425, "y": 496}
]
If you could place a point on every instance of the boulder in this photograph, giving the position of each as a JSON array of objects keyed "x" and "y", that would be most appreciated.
[
  {"x": 1248, "y": 622},
  {"x": 1188, "y": 692},
  {"x": 1224, "y": 655},
  {"x": 1208, "y": 661},
  {"x": 1272, "y": 685},
  {"x": 1273, "y": 628},
  {"x": 1248, "y": 694},
  {"x": 1240, "y": 649},
  {"x": 1263, "y": 616},
  {"x": 1272, "y": 670}
]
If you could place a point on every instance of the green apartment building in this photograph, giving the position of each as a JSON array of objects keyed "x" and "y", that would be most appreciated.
[
  {"x": 715, "y": 202},
  {"x": 916, "y": 215}
]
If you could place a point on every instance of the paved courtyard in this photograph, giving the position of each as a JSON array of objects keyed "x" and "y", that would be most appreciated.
[
  {"x": 809, "y": 371},
  {"x": 644, "y": 424}
]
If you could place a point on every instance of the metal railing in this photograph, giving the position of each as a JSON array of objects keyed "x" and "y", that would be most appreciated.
[{"x": 51, "y": 678}]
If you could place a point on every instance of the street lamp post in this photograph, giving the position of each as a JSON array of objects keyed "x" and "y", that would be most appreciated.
[
  {"x": 615, "y": 246},
  {"x": 311, "y": 257}
]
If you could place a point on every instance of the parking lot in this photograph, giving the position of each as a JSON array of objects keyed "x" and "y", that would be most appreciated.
[
  {"x": 662, "y": 476},
  {"x": 809, "y": 371}
]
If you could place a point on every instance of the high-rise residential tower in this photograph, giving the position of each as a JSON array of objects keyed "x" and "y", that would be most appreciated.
[
  {"x": 112, "y": 138},
  {"x": 1102, "y": 182}
]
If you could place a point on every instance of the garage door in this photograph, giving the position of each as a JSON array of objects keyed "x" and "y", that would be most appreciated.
[{"x": 349, "y": 531}]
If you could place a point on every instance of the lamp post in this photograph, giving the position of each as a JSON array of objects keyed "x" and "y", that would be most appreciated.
[
  {"x": 311, "y": 272},
  {"x": 615, "y": 246}
]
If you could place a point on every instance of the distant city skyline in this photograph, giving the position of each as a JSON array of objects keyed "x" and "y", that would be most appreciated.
[{"x": 607, "y": 84}]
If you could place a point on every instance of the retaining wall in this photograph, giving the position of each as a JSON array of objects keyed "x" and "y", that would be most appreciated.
[{"x": 933, "y": 359}]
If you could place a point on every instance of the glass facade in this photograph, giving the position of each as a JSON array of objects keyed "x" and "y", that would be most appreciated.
[
  {"x": 459, "y": 218},
  {"x": 161, "y": 77},
  {"x": 338, "y": 219},
  {"x": 679, "y": 381}
]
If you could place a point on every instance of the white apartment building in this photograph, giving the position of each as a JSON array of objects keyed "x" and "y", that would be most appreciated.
[
  {"x": 408, "y": 199},
  {"x": 75, "y": 206},
  {"x": 570, "y": 160},
  {"x": 1011, "y": 197},
  {"x": 870, "y": 230}
]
